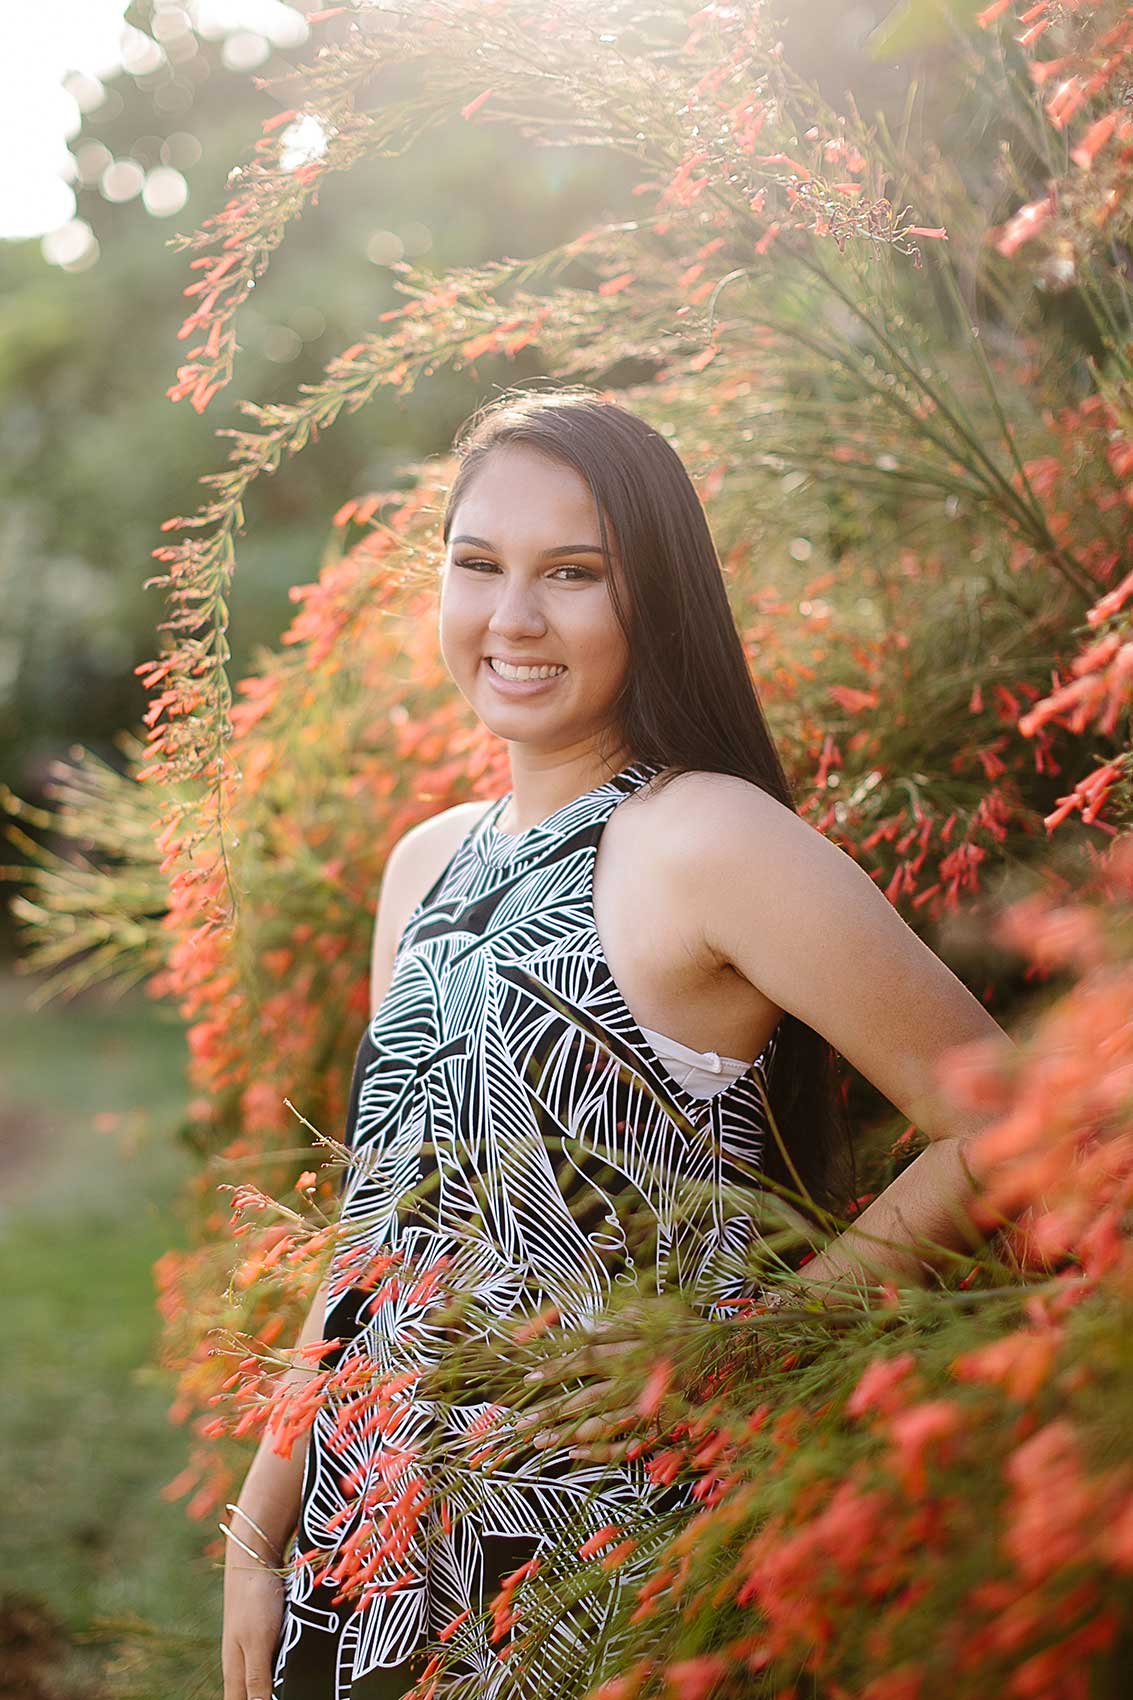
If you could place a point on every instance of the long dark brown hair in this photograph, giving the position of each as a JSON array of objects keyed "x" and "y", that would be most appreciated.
[{"x": 688, "y": 702}]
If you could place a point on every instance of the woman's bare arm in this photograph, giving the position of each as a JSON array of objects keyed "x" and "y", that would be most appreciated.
[
  {"x": 272, "y": 1487},
  {"x": 803, "y": 921},
  {"x": 253, "y": 1583},
  {"x": 268, "y": 1501}
]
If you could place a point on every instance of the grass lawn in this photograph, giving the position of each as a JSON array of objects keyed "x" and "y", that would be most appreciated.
[{"x": 84, "y": 1437}]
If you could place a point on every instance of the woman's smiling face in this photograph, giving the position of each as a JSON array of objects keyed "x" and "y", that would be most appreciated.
[{"x": 525, "y": 582}]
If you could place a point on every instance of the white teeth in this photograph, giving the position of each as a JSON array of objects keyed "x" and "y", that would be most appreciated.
[{"x": 506, "y": 671}]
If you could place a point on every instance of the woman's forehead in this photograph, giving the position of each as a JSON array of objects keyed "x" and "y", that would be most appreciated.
[
  {"x": 515, "y": 468},
  {"x": 518, "y": 496}
]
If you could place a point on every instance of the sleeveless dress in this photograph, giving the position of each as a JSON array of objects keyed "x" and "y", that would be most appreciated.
[{"x": 509, "y": 1115}]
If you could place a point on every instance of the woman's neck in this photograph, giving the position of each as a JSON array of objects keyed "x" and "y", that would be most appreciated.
[{"x": 538, "y": 789}]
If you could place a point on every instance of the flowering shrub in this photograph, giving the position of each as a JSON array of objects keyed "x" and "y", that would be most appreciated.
[{"x": 893, "y": 1500}]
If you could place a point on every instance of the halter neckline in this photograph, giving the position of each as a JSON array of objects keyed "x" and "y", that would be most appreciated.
[{"x": 498, "y": 847}]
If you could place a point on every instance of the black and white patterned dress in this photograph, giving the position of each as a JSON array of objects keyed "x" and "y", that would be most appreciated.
[{"x": 552, "y": 1158}]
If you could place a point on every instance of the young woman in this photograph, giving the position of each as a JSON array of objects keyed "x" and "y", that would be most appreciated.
[{"x": 581, "y": 994}]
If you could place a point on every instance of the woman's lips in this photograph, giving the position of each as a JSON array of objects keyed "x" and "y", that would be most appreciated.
[{"x": 521, "y": 687}]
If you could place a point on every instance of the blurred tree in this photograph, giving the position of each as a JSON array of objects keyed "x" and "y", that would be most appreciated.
[
  {"x": 92, "y": 461},
  {"x": 92, "y": 458}
]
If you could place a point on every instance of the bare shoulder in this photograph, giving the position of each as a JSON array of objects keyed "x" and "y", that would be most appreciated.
[
  {"x": 695, "y": 808},
  {"x": 421, "y": 853},
  {"x": 733, "y": 842},
  {"x": 442, "y": 825}
]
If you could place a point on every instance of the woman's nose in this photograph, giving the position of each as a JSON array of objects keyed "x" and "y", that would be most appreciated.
[{"x": 516, "y": 611}]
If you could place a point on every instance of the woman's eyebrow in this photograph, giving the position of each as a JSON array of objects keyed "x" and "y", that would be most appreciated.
[{"x": 560, "y": 549}]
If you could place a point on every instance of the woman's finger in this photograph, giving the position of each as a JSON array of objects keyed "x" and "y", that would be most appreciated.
[
  {"x": 588, "y": 1428},
  {"x": 601, "y": 1452},
  {"x": 548, "y": 1412},
  {"x": 575, "y": 1362},
  {"x": 232, "y": 1667},
  {"x": 257, "y": 1678},
  {"x": 582, "y": 1399},
  {"x": 603, "y": 1427}
]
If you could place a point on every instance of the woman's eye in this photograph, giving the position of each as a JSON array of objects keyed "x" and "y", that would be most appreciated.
[{"x": 582, "y": 572}]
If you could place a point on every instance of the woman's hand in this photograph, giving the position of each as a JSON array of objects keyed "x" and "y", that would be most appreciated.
[
  {"x": 616, "y": 1409},
  {"x": 253, "y": 1617},
  {"x": 558, "y": 1418}
]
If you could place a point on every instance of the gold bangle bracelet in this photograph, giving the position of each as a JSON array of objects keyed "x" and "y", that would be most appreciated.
[
  {"x": 231, "y": 1535},
  {"x": 239, "y": 1511}
]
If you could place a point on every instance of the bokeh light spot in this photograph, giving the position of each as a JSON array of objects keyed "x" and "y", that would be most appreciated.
[
  {"x": 141, "y": 54},
  {"x": 165, "y": 192},
  {"x": 308, "y": 323},
  {"x": 417, "y": 237},
  {"x": 170, "y": 24},
  {"x": 181, "y": 149},
  {"x": 174, "y": 98},
  {"x": 383, "y": 247},
  {"x": 282, "y": 25},
  {"x": 73, "y": 246},
  {"x": 281, "y": 343},
  {"x": 244, "y": 51},
  {"x": 122, "y": 180},
  {"x": 88, "y": 93}
]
